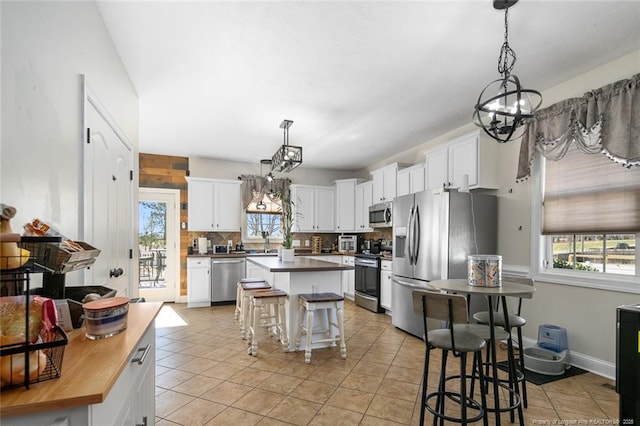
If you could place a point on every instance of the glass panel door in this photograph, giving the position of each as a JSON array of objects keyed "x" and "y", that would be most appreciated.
[{"x": 157, "y": 244}]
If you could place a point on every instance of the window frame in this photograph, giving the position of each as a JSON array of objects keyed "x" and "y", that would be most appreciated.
[{"x": 542, "y": 251}]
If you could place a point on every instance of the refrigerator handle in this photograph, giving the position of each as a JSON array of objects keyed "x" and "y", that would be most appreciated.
[
  {"x": 410, "y": 236},
  {"x": 416, "y": 239}
]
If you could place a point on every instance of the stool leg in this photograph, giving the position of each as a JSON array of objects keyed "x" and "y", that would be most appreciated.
[
  {"x": 253, "y": 350},
  {"x": 236, "y": 314},
  {"x": 307, "y": 351},
  {"x": 425, "y": 375},
  {"x": 244, "y": 315},
  {"x": 283, "y": 326},
  {"x": 463, "y": 386},
  {"x": 330, "y": 325},
  {"x": 300, "y": 326},
  {"x": 521, "y": 359},
  {"x": 340, "y": 319},
  {"x": 483, "y": 394}
]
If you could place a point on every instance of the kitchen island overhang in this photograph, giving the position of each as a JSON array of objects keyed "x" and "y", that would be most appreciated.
[{"x": 303, "y": 275}]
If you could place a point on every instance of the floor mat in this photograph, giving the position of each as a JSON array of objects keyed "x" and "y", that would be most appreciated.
[{"x": 541, "y": 379}]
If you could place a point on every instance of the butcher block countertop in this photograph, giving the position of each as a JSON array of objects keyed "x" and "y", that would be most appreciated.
[
  {"x": 299, "y": 264},
  {"x": 90, "y": 368}
]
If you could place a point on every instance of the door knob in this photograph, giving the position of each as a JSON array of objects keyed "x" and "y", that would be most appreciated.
[{"x": 115, "y": 272}]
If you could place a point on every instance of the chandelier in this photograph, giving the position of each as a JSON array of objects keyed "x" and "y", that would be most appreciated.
[
  {"x": 504, "y": 107},
  {"x": 287, "y": 157}
]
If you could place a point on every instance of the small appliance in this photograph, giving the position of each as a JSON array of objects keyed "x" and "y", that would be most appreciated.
[
  {"x": 347, "y": 243},
  {"x": 380, "y": 215},
  {"x": 202, "y": 245},
  {"x": 219, "y": 249}
]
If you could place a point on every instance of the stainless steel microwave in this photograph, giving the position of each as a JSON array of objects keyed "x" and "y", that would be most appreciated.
[{"x": 380, "y": 215}]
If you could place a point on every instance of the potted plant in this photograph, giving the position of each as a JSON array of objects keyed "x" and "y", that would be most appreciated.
[{"x": 286, "y": 224}]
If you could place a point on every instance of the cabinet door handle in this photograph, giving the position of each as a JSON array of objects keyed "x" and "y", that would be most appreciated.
[{"x": 141, "y": 358}]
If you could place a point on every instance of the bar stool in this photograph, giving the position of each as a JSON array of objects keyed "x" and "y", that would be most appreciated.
[
  {"x": 245, "y": 288},
  {"x": 453, "y": 309},
  {"x": 321, "y": 301},
  {"x": 515, "y": 321},
  {"x": 238, "y": 311},
  {"x": 267, "y": 310}
]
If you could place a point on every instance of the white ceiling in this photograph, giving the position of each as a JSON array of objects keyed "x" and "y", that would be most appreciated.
[{"x": 361, "y": 80}]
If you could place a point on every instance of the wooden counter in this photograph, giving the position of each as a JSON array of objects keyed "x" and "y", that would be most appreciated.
[
  {"x": 299, "y": 264},
  {"x": 90, "y": 368}
]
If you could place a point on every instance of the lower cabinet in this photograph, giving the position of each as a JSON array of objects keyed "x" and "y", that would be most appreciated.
[
  {"x": 348, "y": 278},
  {"x": 131, "y": 400},
  {"x": 198, "y": 282},
  {"x": 386, "y": 275}
]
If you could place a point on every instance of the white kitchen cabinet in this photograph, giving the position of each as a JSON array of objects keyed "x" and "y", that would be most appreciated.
[
  {"x": 384, "y": 183},
  {"x": 198, "y": 282},
  {"x": 313, "y": 208},
  {"x": 386, "y": 275},
  {"x": 364, "y": 200},
  {"x": 214, "y": 205},
  {"x": 346, "y": 205},
  {"x": 410, "y": 180},
  {"x": 348, "y": 278},
  {"x": 469, "y": 161}
]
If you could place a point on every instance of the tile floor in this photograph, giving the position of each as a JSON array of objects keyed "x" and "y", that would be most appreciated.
[{"x": 205, "y": 377}]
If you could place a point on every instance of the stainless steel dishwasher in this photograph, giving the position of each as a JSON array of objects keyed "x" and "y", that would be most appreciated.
[{"x": 225, "y": 274}]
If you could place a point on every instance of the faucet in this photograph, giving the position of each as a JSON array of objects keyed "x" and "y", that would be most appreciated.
[{"x": 266, "y": 244}]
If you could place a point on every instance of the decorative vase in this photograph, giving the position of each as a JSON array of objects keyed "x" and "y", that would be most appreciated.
[{"x": 288, "y": 255}]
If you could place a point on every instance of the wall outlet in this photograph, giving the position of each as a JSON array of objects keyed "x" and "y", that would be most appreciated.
[
  {"x": 295, "y": 243},
  {"x": 307, "y": 243}
]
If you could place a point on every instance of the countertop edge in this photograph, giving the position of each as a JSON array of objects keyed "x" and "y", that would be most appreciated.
[
  {"x": 302, "y": 265},
  {"x": 95, "y": 397}
]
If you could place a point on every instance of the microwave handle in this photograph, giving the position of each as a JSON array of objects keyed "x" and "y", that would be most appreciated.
[{"x": 387, "y": 215}]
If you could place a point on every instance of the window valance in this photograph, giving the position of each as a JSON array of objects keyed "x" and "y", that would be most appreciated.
[
  {"x": 606, "y": 120},
  {"x": 254, "y": 188}
]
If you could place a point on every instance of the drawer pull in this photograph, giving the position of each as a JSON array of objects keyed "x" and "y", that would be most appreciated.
[{"x": 141, "y": 358}]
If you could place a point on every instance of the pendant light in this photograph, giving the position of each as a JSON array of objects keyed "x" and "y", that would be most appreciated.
[
  {"x": 287, "y": 157},
  {"x": 504, "y": 107}
]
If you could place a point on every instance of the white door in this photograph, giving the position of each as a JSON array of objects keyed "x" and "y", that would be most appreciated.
[
  {"x": 158, "y": 248},
  {"x": 108, "y": 203}
]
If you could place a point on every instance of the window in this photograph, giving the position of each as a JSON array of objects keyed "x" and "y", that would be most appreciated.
[
  {"x": 261, "y": 224},
  {"x": 589, "y": 216}
]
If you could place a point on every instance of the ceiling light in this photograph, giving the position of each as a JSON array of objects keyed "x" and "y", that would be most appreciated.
[
  {"x": 287, "y": 157},
  {"x": 503, "y": 106}
]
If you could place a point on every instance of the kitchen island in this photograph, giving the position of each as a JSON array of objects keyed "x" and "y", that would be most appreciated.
[
  {"x": 303, "y": 275},
  {"x": 112, "y": 378}
]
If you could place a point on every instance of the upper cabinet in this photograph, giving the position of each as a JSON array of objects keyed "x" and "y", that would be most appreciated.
[
  {"x": 466, "y": 162},
  {"x": 313, "y": 208},
  {"x": 214, "y": 205},
  {"x": 384, "y": 183},
  {"x": 346, "y": 205},
  {"x": 410, "y": 180},
  {"x": 364, "y": 200}
]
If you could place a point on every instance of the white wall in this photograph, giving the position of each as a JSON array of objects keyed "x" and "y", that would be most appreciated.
[
  {"x": 222, "y": 169},
  {"x": 46, "y": 47}
]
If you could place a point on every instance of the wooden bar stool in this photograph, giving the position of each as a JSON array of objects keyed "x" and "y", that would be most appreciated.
[
  {"x": 245, "y": 288},
  {"x": 238, "y": 311},
  {"x": 268, "y": 310},
  {"x": 321, "y": 301}
]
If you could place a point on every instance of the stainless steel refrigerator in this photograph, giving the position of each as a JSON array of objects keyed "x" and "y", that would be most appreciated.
[{"x": 433, "y": 233}]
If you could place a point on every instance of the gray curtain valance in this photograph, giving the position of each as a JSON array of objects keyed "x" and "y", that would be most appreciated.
[
  {"x": 606, "y": 120},
  {"x": 254, "y": 188}
]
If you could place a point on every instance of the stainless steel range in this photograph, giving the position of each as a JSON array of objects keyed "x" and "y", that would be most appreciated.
[{"x": 367, "y": 286}]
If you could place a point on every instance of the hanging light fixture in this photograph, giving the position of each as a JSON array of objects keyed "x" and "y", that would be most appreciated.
[
  {"x": 287, "y": 157},
  {"x": 260, "y": 205},
  {"x": 503, "y": 106}
]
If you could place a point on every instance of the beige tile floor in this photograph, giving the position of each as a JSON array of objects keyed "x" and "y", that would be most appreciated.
[{"x": 205, "y": 377}]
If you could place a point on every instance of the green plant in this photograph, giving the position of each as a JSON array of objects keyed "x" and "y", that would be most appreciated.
[
  {"x": 563, "y": 264},
  {"x": 286, "y": 220}
]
